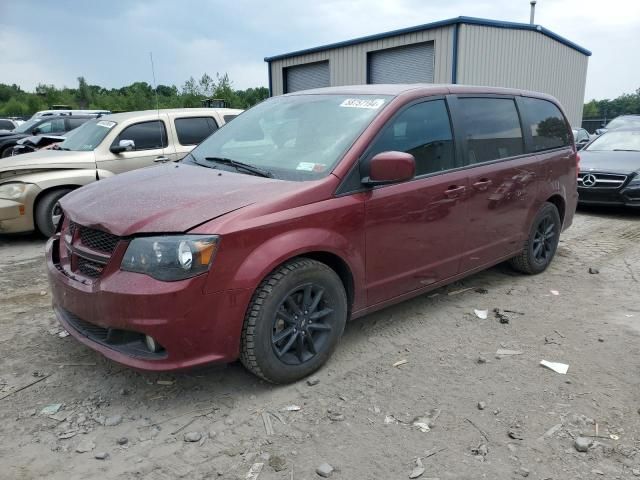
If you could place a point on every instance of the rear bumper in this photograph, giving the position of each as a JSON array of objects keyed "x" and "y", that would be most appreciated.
[{"x": 113, "y": 314}]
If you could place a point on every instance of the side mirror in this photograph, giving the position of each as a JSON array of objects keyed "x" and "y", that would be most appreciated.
[
  {"x": 123, "y": 146},
  {"x": 36, "y": 131},
  {"x": 390, "y": 167},
  {"x": 580, "y": 145}
]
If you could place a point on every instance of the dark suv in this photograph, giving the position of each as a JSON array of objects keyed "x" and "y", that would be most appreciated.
[
  {"x": 308, "y": 210},
  {"x": 58, "y": 125}
]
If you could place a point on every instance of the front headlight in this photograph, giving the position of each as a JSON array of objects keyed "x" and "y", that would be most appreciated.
[
  {"x": 11, "y": 191},
  {"x": 169, "y": 257}
]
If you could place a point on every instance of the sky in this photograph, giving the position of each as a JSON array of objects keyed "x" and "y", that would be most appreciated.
[{"x": 108, "y": 42}]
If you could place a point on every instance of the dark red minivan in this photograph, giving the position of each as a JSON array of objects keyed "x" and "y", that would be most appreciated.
[{"x": 305, "y": 211}]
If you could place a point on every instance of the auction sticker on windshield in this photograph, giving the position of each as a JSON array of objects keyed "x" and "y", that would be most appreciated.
[
  {"x": 311, "y": 167},
  {"x": 105, "y": 124},
  {"x": 362, "y": 103}
]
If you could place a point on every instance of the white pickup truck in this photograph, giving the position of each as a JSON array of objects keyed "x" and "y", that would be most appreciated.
[{"x": 31, "y": 184}]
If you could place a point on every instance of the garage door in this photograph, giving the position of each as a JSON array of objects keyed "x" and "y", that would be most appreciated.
[
  {"x": 304, "y": 77},
  {"x": 410, "y": 64}
]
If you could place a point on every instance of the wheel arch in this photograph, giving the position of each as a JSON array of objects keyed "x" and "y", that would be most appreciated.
[
  {"x": 48, "y": 190},
  {"x": 560, "y": 204}
]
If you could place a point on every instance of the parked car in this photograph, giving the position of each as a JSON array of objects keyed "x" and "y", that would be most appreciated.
[
  {"x": 610, "y": 169},
  {"x": 307, "y": 210},
  {"x": 39, "y": 126},
  {"x": 31, "y": 184},
  {"x": 623, "y": 121},
  {"x": 581, "y": 137},
  {"x": 7, "y": 124},
  {"x": 62, "y": 112}
]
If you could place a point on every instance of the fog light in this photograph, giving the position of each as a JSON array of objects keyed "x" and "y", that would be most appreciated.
[{"x": 152, "y": 345}]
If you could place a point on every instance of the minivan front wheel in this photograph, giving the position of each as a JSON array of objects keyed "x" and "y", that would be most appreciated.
[
  {"x": 294, "y": 321},
  {"x": 542, "y": 242}
]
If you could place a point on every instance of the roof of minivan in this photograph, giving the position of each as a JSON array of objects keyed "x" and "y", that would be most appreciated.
[
  {"x": 417, "y": 88},
  {"x": 119, "y": 117}
]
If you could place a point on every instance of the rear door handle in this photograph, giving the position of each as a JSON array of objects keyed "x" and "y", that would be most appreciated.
[
  {"x": 482, "y": 184},
  {"x": 161, "y": 159},
  {"x": 454, "y": 191}
]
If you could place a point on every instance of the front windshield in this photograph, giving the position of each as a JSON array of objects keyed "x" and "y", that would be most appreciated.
[
  {"x": 87, "y": 136},
  {"x": 27, "y": 126},
  {"x": 616, "y": 140},
  {"x": 298, "y": 137},
  {"x": 624, "y": 122}
]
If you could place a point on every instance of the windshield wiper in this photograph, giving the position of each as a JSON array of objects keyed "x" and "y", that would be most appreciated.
[
  {"x": 624, "y": 150},
  {"x": 241, "y": 166}
]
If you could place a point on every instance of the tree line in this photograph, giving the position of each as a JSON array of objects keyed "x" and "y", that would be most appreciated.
[
  {"x": 138, "y": 96},
  {"x": 141, "y": 96}
]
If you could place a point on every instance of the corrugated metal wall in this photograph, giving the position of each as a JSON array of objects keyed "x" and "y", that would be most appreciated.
[
  {"x": 348, "y": 65},
  {"x": 523, "y": 59}
]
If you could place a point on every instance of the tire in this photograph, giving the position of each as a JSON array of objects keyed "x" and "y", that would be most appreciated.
[
  {"x": 271, "y": 324},
  {"x": 45, "y": 209},
  {"x": 540, "y": 247},
  {"x": 6, "y": 152}
]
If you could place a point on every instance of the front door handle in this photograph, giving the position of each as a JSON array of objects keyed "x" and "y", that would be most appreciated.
[
  {"x": 482, "y": 184},
  {"x": 454, "y": 191},
  {"x": 161, "y": 159}
]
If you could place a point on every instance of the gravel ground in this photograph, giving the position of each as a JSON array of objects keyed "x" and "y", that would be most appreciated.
[{"x": 450, "y": 402}]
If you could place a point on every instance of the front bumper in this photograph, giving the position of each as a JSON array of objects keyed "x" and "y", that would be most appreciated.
[
  {"x": 113, "y": 313},
  {"x": 628, "y": 196},
  {"x": 17, "y": 215}
]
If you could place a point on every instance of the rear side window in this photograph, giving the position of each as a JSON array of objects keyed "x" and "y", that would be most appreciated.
[
  {"x": 145, "y": 135},
  {"x": 75, "y": 122},
  {"x": 546, "y": 124},
  {"x": 424, "y": 131},
  {"x": 191, "y": 131},
  {"x": 492, "y": 129}
]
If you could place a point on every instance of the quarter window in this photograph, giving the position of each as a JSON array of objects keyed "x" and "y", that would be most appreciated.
[
  {"x": 424, "y": 131},
  {"x": 547, "y": 125},
  {"x": 191, "y": 131},
  {"x": 492, "y": 129},
  {"x": 145, "y": 135}
]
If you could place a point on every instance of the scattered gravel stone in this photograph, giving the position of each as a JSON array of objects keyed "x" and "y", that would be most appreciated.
[
  {"x": 593, "y": 271},
  {"x": 228, "y": 421},
  {"x": 324, "y": 470},
  {"x": 524, "y": 472},
  {"x": 113, "y": 420},
  {"x": 85, "y": 446},
  {"x": 636, "y": 472},
  {"x": 481, "y": 360},
  {"x": 278, "y": 463},
  {"x": 192, "y": 436},
  {"x": 482, "y": 405},
  {"x": 336, "y": 416},
  {"x": 122, "y": 441},
  {"x": 582, "y": 444},
  {"x": 101, "y": 456},
  {"x": 313, "y": 381},
  {"x": 600, "y": 339}
]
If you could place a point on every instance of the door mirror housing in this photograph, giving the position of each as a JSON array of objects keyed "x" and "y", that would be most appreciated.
[
  {"x": 390, "y": 167},
  {"x": 580, "y": 145},
  {"x": 36, "y": 131},
  {"x": 123, "y": 146}
]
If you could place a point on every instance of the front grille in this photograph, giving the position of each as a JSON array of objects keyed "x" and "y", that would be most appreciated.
[
  {"x": 95, "y": 239},
  {"x": 602, "y": 180},
  {"x": 89, "y": 268}
]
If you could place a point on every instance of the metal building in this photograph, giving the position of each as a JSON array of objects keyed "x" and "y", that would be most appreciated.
[{"x": 465, "y": 50}]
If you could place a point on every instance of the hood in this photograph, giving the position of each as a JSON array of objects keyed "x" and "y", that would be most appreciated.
[
  {"x": 5, "y": 134},
  {"x": 168, "y": 198},
  {"x": 614, "y": 162},
  {"x": 48, "y": 160}
]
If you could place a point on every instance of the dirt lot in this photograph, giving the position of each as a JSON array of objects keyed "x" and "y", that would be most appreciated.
[{"x": 359, "y": 417}]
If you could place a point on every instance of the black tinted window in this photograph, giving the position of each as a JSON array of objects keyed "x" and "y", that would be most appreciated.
[
  {"x": 75, "y": 122},
  {"x": 546, "y": 123},
  {"x": 492, "y": 129},
  {"x": 52, "y": 126},
  {"x": 6, "y": 125},
  {"x": 145, "y": 135},
  {"x": 191, "y": 131},
  {"x": 424, "y": 131}
]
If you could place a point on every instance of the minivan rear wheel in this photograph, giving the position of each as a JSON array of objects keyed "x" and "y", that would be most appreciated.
[
  {"x": 48, "y": 211},
  {"x": 542, "y": 242},
  {"x": 294, "y": 321}
]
